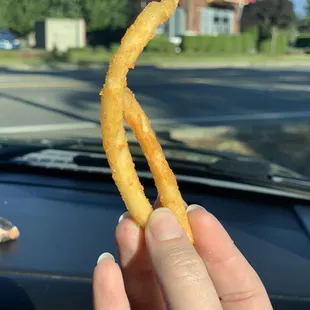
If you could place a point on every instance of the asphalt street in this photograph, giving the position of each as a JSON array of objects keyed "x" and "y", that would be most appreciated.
[{"x": 66, "y": 102}]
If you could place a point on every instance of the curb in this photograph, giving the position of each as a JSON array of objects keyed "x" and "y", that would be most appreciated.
[
  {"x": 69, "y": 66},
  {"x": 234, "y": 65}
]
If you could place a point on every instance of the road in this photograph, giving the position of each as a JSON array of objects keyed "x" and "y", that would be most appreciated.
[{"x": 66, "y": 103}]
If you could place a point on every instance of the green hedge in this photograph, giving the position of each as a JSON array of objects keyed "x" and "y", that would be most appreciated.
[
  {"x": 244, "y": 43},
  {"x": 114, "y": 47},
  {"x": 222, "y": 44},
  {"x": 87, "y": 54},
  {"x": 281, "y": 45},
  {"x": 77, "y": 55},
  {"x": 160, "y": 44},
  {"x": 303, "y": 41}
]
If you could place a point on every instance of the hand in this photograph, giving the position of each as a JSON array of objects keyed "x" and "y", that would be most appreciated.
[{"x": 160, "y": 269}]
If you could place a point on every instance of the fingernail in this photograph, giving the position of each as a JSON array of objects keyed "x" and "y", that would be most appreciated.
[
  {"x": 164, "y": 225},
  {"x": 105, "y": 256},
  {"x": 124, "y": 216},
  {"x": 194, "y": 207}
]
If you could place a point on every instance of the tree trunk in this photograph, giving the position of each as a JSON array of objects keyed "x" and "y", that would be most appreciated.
[{"x": 273, "y": 43}]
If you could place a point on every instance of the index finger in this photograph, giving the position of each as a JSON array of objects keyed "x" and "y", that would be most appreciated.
[
  {"x": 180, "y": 271},
  {"x": 236, "y": 282}
]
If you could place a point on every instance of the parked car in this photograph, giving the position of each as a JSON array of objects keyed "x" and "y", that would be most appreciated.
[{"x": 8, "y": 40}]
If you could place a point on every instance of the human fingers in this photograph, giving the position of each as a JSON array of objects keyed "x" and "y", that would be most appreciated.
[
  {"x": 108, "y": 285},
  {"x": 141, "y": 285},
  {"x": 237, "y": 284},
  {"x": 180, "y": 271}
]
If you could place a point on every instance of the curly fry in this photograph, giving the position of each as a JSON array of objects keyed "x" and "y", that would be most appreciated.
[{"x": 118, "y": 101}]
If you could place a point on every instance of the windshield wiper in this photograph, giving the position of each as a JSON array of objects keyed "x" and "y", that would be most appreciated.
[
  {"x": 254, "y": 169},
  {"x": 242, "y": 169},
  {"x": 185, "y": 161}
]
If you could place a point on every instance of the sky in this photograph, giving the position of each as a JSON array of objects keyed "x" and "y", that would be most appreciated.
[{"x": 299, "y": 6}]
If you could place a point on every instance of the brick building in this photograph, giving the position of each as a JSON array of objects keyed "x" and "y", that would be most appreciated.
[{"x": 210, "y": 17}]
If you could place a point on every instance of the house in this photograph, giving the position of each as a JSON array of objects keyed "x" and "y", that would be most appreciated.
[{"x": 201, "y": 17}]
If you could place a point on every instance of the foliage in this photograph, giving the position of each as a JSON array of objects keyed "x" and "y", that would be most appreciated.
[
  {"x": 160, "y": 44},
  {"x": 267, "y": 14},
  {"x": 222, "y": 44},
  {"x": 102, "y": 14},
  {"x": 281, "y": 45},
  {"x": 78, "y": 55},
  {"x": 307, "y": 8},
  {"x": 21, "y": 15},
  {"x": 303, "y": 41},
  {"x": 65, "y": 8},
  {"x": 4, "y": 24}
]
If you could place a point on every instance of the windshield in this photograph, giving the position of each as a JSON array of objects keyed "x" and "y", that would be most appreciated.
[{"x": 227, "y": 76}]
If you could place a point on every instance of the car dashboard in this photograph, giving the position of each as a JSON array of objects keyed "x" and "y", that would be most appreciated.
[{"x": 67, "y": 220}]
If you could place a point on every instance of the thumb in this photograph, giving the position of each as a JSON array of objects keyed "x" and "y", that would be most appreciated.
[{"x": 180, "y": 271}]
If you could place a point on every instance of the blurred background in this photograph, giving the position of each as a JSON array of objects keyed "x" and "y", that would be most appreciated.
[{"x": 231, "y": 75}]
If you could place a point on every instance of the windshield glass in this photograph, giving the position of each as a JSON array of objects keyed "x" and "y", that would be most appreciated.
[{"x": 218, "y": 75}]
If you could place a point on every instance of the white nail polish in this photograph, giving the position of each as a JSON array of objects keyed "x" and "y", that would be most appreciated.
[
  {"x": 194, "y": 207},
  {"x": 124, "y": 216},
  {"x": 105, "y": 256}
]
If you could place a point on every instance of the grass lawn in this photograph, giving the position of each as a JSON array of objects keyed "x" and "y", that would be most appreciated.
[
  {"x": 213, "y": 59},
  {"x": 16, "y": 58}
]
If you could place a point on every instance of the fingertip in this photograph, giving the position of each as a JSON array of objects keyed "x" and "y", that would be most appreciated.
[
  {"x": 127, "y": 229},
  {"x": 105, "y": 263},
  {"x": 105, "y": 256},
  {"x": 129, "y": 239},
  {"x": 194, "y": 207},
  {"x": 124, "y": 216},
  {"x": 106, "y": 268},
  {"x": 107, "y": 278},
  {"x": 198, "y": 216}
]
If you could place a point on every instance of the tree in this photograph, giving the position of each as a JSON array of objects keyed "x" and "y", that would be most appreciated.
[
  {"x": 65, "y": 8},
  {"x": 102, "y": 14},
  {"x": 4, "y": 23},
  {"x": 21, "y": 15},
  {"x": 307, "y": 9},
  {"x": 267, "y": 14}
]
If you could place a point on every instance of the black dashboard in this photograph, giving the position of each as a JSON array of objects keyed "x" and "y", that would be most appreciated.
[{"x": 66, "y": 223}]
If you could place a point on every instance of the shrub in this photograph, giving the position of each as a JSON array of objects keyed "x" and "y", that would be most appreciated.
[
  {"x": 303, "y": 41},
  {"x": 87, "y": 54},
  {"x": 281, "y": 45},
  {"x": 161, "y": 44},
  {"x": 114, "y": 47},
  {"x": 222, "y": 44}
]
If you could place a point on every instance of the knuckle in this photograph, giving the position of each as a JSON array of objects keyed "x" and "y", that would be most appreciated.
[
  {"x": 239, "y": 297},
  {"x": 185, "y": 266}
]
